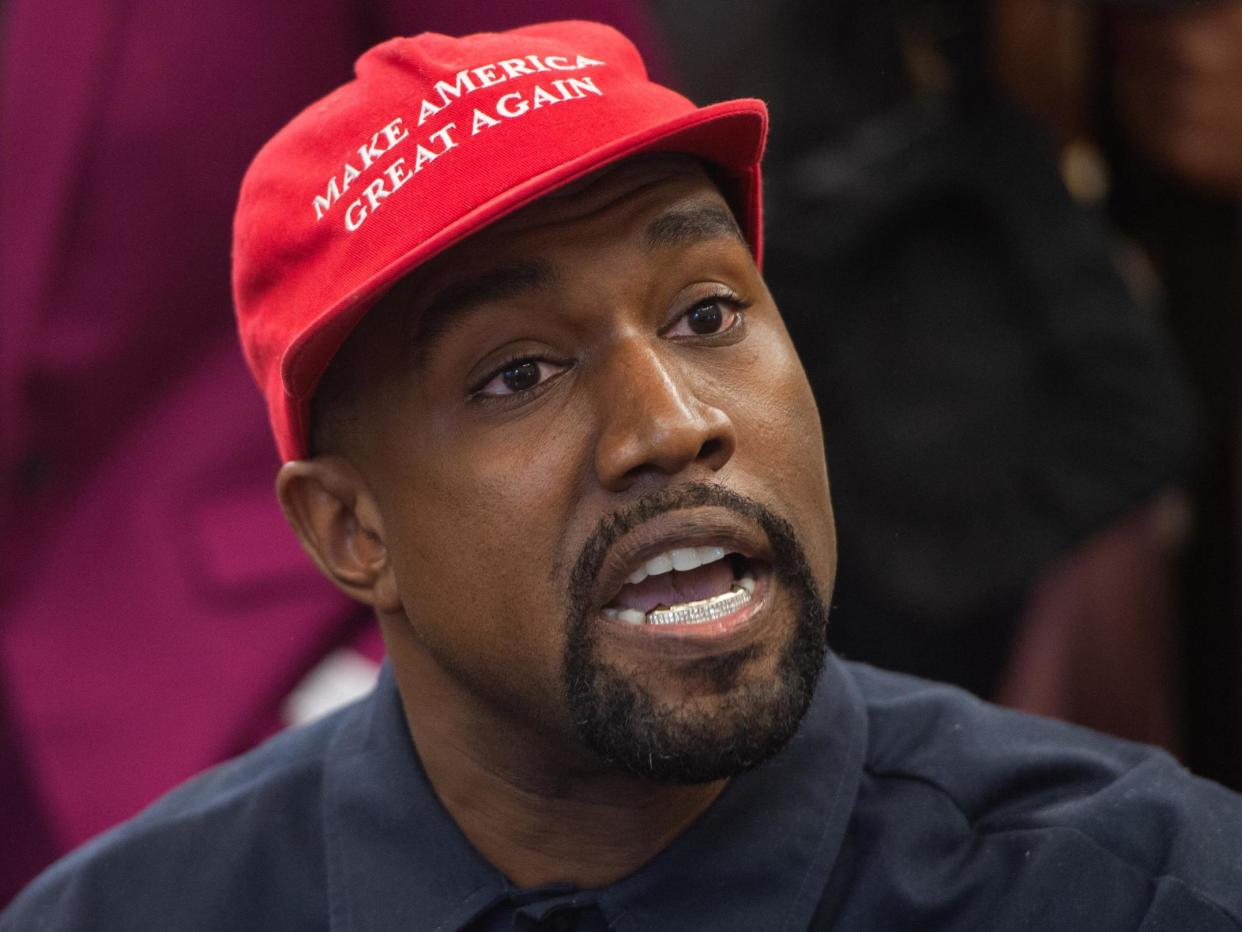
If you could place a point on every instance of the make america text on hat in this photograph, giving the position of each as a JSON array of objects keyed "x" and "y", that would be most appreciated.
[{"x": 372, "y": 155}]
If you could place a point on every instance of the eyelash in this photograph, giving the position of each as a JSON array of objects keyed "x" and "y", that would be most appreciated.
[
  {"x": 508, "y": 362},
  {"x": 724, "y": 296}
]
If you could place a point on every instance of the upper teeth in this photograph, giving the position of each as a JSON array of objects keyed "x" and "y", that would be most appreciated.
[{"x": 681, "y": 558}]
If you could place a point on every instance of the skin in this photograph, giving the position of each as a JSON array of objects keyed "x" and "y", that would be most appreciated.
[
  {"x": 459, "y": 518},
  {"x": 1178, "y": 89},
  {"x": 1041, "y": 53},
  {"x": 1175, "y": 79}
]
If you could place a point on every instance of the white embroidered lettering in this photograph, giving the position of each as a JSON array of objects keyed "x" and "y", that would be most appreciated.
[
  {"x": 482, "y": 121},
  {"x": 503, "y": 108},
  {"x": 515, "y": 66},
  {"x": 391, "y": 132},
  {"x": 324, "y": 201},
  {"x": 398, "y": 174},
  {"x": 374, "y": 191},
  {"x": 369, "y": 153},
  {"x": 443, "y": 138},
  {"x": 423, "y": 156},
  {"x": 542, "y": 97},
  {"x": 487, "y": 75},
  {"x": 584, "y": 84},
  {"x": 354, "y": 215},
  {"x": 461, "y": 85},
  {"x": 427, "y": 111}
]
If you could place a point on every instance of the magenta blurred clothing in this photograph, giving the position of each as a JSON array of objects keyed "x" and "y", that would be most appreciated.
[{"x": 154, "y": 609}]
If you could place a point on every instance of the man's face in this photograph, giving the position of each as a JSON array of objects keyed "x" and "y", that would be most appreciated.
[{"x": 556, "y": 410}]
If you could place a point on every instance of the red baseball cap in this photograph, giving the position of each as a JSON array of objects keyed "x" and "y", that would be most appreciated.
[{"x": 435, "y": 138}]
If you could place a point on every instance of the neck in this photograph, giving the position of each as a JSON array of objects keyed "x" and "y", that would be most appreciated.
[{"x": 537, "y": 807}]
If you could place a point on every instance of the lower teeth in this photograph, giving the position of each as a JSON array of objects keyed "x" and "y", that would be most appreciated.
[{"x": 703, "y": 610}]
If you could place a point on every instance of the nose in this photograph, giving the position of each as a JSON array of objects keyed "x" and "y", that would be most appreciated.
[{"x": 654, "y": 422}]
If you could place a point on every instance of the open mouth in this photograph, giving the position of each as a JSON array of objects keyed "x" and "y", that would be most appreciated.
[{"x": 685, "y": 586}]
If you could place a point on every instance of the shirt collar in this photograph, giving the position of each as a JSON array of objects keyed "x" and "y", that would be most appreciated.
[
  {"x": 763, "y": 850},
  {"x": 760, "y": 857}
]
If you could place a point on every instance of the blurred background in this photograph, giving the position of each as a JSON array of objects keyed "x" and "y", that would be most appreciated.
[{"x": 1004, "y": 233}]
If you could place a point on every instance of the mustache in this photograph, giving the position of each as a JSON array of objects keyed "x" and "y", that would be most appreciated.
[{"x": 613, "y": 527}]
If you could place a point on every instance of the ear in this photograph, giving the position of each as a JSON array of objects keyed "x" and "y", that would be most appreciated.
[{"x": 338, "y": 522}]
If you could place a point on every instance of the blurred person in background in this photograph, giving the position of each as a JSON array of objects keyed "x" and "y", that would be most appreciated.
[
  {"x": 1016, "y": 398},
  {"x": 156, "y": 617},
  {"x": 1144, "y": 103}
]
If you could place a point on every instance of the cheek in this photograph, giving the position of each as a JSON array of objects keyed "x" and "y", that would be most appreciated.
[
  {"x": 774, "y": 410},
  {"x": 476, "y": 547},
  {"x": 781, "y": 447}
]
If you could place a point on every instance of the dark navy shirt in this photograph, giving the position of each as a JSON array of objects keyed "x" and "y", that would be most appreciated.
[{"x": 899, "y": 805}]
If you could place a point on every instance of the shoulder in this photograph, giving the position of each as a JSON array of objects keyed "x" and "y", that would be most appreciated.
[
  {"x": 240, "y": 846},
  {"x": 1020, "y": 797}
]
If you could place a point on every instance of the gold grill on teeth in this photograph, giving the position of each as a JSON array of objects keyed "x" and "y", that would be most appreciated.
[{"x": 703, "y": 610}]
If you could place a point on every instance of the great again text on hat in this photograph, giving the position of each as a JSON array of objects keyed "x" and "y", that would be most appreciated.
[{"x": 373, "y": 155}]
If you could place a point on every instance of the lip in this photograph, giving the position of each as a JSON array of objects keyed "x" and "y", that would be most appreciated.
[
  {"x": 702, "y": 526},
  {"x": 733, "y": 631}
]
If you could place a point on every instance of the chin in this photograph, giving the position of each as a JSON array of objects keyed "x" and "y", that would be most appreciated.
[
  {"x": 699, "y": 719},
  {"x": 695, "y": 638}
]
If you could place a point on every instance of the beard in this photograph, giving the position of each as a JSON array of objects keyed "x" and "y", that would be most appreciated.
[{"x": 620, "y": 720}]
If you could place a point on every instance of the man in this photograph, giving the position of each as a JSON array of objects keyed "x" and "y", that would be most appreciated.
[
  {"x": 539, "y": 411},
  {"x": 136, "y": 509}
]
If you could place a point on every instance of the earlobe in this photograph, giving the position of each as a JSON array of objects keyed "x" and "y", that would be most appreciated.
[{"x": 336, "y": 519}]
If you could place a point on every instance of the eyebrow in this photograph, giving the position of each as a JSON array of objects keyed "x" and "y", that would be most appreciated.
[
  {"x": 682, "y": 226},
  {"x": 688, "y": 225},
  {"x": 446, "y": 309}
]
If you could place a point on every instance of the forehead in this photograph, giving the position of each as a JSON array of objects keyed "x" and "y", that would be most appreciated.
[{"x": 580, "y": 219}]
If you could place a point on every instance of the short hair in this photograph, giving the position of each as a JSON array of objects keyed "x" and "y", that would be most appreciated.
[{"x": 335, "y": 409}]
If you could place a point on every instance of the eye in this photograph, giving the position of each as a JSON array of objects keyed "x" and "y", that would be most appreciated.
[
  {"x": 518, "y": 377},
  {"x": 717, "y": 313}
]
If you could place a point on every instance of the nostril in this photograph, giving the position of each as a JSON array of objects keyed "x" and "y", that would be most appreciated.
[
  {"x": 637, "y": 472},
  {"x": 711, "y": 449}
]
